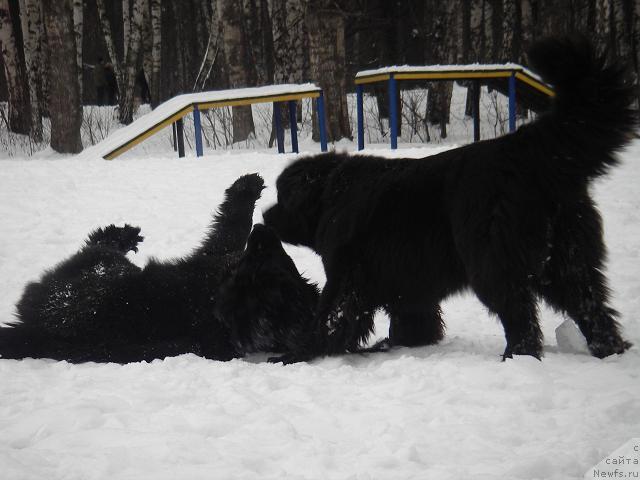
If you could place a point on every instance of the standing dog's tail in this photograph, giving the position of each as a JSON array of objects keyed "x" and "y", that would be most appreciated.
[{"x": 593, "y": 113}]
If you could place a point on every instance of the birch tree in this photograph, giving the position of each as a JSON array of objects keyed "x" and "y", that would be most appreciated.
[
  {"x": 235, "y": 43},
  {"x": 65, "y": 103},
  {"x": 19, "y": 116},
  {"x": 125, "y": 68},
  {"x": 325, "y": 27},
  {"x": 288, "y": 35},
  {"x": 156, "y": 51},
  {"x": 212, "y": 50},
  {"x": 440, "y": 50},
  {"x": 288, "y": 27},
  {"x": 30, "y": 18},
  {"x": 78, "y": 18}
]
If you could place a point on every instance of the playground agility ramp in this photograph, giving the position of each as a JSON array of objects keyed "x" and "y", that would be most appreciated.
[
  {"x": 174, "y": 110},
  {"x": 510, "y": 79}
]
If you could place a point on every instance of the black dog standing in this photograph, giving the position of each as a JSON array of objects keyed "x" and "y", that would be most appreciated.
[
  {"x": 98, "y": 306},
  {"x": 510, "y": 218}
]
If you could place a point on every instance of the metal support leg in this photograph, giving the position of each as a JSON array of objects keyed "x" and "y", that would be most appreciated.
[
  {"x": 174, "y": 137},
  {"x": 198, "y": 130},
  {"x": 293, "y": 123},
  {"x": 512, "y": 103},
  {"x": 279, "y": 130},
  {"x": 321, "y": 123},
  {"x": 475, "y": 100},
  {"x": 360, "y": 110},
  {"x": 180, "y": 135},
  {"x": 393, "y": 112}
]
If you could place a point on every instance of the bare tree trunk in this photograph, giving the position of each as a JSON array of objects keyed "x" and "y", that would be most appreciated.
[
  {"x": 258, "y": 45},
  {"x": 235, "y": 43},
  {"x": 65, "y": 105},
  {"x": 156, "y": 51},
  {"x": 496, "y": 30},
  {"x": 287, "y": 28},
  {"x": 327, "y": 61},
  {"x": 45, "y": 58},
  {"x": 508, "y": 33},
  {"x": 130, "y": 67},
  {"x": 125, "y": 69},
  {"x": 602, "y": 23},
  {"x": 126, "y": 25},
  {"x": 19, "y": 115},
  {"x": 78, "y": 18},
  {"x": 31, "y": 34},
  {"x": 212, "y": 51},
  {"x": 146, "y": 45},
  {"x": 109, "y": 41},
  {"x": 441, "y": 50}
]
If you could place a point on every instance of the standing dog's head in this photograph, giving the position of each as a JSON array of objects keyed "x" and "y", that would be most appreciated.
[{"x": 301, "y": 188}]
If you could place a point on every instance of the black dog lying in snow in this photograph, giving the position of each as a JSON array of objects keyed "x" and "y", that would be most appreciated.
[
  {"x": 219, "y": 302},
  {"x": 510, "y": 218}
]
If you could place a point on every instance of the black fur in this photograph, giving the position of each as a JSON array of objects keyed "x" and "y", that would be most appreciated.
[
  {"x": 98, "y": 306},
  {"x": 510, "y": 218},
  {"x": 265, "y": 302}
]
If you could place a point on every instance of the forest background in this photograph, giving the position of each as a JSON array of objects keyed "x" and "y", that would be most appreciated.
[{"x": 60, "y": 55}]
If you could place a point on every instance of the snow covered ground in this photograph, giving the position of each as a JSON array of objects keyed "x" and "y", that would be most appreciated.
[{"x": 451, "y": 411}]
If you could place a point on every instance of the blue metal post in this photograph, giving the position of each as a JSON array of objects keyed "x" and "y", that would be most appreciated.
[
  {"x": 393, "y": 112},
  {"x": 360, "y": 110},
  {"x": 198, "y": 130},
  {"x": 512, "y": 102},
  {"x": 321, "y": 122},
  {"x": 293, "y": 122},
  {"x": 279, "y": 131}
]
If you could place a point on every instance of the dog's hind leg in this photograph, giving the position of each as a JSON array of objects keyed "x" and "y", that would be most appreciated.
[
  {"x": 348, "y": 321},
  {"x": 343, "y": 320},
  {"x": 411, "y": 328},
  {"x": 573, "y": 281},
  {"x": 516, "y": 307}
]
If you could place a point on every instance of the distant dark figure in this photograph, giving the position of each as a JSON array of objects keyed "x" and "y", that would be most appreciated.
[
  {"x": 100, "y": 81},
  {"x": 220, "y": 302},
  {"x": 112, "y": 85},
  {"x": 142, "y": 88},
  {"x": 510, "y": 218},
  {"x": 105, "y": 82}
]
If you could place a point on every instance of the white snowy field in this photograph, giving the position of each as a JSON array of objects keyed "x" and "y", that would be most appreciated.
[{"x": 452, "y": 411}]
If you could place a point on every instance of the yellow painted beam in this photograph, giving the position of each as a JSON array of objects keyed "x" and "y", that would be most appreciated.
[
  {"x": 535, "y": 84},
  {"x": 250, "y": 101},
  {"x": 372, "y": 79},
  {"x": 461, "y": 75},
  {"x": 204, "y": 106},
  {"x": 147, "y": 133}
]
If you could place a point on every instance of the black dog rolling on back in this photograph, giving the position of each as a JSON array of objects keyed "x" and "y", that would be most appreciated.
[
  {"x": 510, "y": 218},
  {"x": 98, "y": 306}
]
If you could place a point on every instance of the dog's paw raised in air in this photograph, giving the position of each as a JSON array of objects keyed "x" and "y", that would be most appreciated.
[
  {"x": 251, "y": 184},
  {"x": 122, "y": 239}
]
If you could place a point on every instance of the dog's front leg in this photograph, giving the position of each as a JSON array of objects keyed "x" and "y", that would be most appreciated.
[
  {"x": 342, "y": 322},
  {"x": 348, "y": 321}
]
